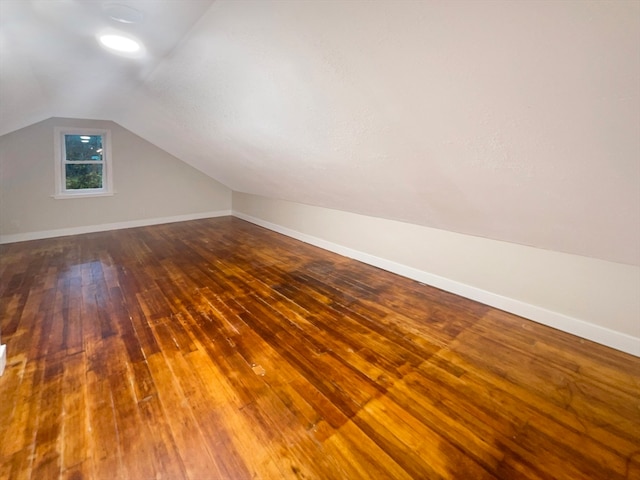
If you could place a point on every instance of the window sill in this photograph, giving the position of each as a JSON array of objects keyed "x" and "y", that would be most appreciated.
[{"x": 66, "y": 196}]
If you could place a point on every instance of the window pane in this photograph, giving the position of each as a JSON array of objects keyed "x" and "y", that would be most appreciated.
[
  {"x": 83, "y": 176},
  {"x": 83, "y": 147}
]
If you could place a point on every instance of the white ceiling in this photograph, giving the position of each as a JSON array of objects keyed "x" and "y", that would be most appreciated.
[
  {"x": 518, "y": 121},
  {"x": 52, "y": 65}
]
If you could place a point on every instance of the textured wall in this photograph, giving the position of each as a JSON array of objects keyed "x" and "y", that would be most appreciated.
[
  {"x": 511, "y": 120},
  {"x": 150, "y": 183}
]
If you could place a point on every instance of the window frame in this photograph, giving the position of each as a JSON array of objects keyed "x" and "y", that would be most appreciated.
[{"x": 61, "y": 191}]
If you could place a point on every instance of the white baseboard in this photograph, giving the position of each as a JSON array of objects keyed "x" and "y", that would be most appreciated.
[
  {"x": 610, "y": 338},
  {"x": 3, "y": 358},
  {"x": 62, "y": 232}
]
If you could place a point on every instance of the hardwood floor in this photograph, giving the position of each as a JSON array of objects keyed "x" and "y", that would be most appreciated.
[{"x": 217, "y": 349}]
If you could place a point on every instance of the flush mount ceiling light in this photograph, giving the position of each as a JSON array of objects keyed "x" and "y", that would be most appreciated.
[
  {"x": 119, "y": 43},
  {"x": 122, "y": 13}
]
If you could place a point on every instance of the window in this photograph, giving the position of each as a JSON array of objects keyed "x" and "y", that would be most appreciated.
[{"x": 83, "y": 163}]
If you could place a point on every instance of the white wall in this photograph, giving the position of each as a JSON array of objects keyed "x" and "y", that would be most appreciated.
[
  {"x": 151, "y": 186},
  {"x": 512, "y": 120},
  {"x": 592, "y": 298}
]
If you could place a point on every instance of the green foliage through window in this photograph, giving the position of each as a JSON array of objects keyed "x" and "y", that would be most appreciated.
[
  {"x": 83, "y": 161},
  {"x": 80, "y": 176}
]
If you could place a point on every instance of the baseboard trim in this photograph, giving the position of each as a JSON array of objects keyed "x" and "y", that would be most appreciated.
[
  {"x": 62, "y": 232},
  {"x": 3, "y": 358},
  {"x": 604, "y": 336}
]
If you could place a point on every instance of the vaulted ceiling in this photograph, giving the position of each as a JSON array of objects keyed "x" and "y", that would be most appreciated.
[{"x": 512, "y": 120}]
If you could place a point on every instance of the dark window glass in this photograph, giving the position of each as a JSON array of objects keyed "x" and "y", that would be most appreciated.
[{"x": 83, "y": 148}]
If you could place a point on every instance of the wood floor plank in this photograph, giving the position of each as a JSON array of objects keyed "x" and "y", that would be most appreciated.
[
  {"x": 133, "y": 436},
  {"x": 104, "y": 443},
  {"x": 193, "y": 449},
  {"x": 75, "y": 440},
  {"x": 48, "y": 445},
  {"x": 360, "y": 456},
  {"x": 20, "y": 401},
  {"x": 221, "y": 350}
]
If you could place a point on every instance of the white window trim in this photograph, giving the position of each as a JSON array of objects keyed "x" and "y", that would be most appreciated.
[{"x": 60, "y": 191}]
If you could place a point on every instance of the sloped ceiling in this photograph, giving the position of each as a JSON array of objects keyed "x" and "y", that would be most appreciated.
[
  {"x": 515, "y": 120},
  {"x": 52, "y": 65}
]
